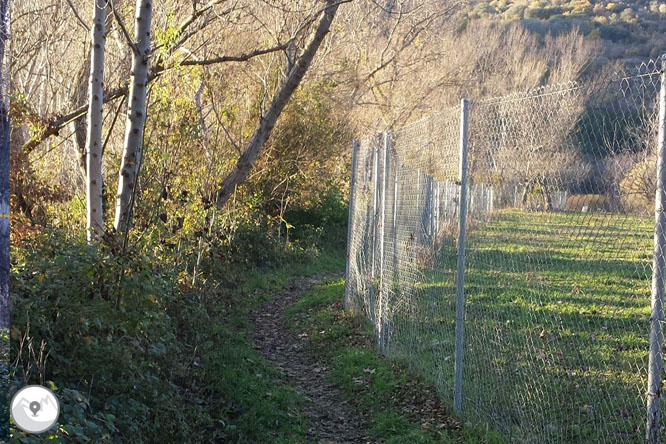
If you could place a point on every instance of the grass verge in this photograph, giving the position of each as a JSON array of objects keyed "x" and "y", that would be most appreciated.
[
  {"x": 258, "y": 407},
  {"x": 397, "y": 405},
  {"x": 174, "y": 363}
]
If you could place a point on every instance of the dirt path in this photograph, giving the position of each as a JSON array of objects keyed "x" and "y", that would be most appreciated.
[{"x": 332, "y": 419}]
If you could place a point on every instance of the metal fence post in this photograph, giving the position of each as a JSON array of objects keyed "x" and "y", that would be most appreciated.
[
  {"x": 446, "y": 199},
  {"x": 515, "y": 196},
  {"x": 394, "y": 277},
  {"x": 431, "y": 205},
  {"x": 438, "y": 202},
  {"x": 418, "y": 188},
  {"x": 375, "y": 198},
  {"x": 396, "y": 167},
  {"x": 460, "y": 277},
  {"x": 386, "y": 146},
  {"x": 658, "y": 269},
  {"x": 350, "y": 222},
  {"x": 429, "y": 210}
]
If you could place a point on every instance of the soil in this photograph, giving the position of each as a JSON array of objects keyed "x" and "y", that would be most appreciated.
[{"x": 332, "y": 419}]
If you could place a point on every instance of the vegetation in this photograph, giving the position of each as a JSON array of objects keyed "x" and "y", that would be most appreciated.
[
  {"x": 179, "y": 345},
  {"x": 4, "y": 381},
  {"x": 223, "y": 149},
  {"x": 626, "y": 29},
  {"x": 397, "y": 405},
  {"x": 556, "y": 309}
]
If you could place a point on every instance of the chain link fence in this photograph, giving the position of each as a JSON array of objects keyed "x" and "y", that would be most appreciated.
[{"x": 508, "y": 248}]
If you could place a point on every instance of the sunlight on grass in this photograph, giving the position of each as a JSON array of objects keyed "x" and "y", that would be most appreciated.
[
  {"x": 372, "y": 383},
  {"x": 557, "y": 331}
]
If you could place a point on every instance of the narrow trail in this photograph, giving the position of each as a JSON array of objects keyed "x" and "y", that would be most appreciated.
[{"x": 332, "y": 418}]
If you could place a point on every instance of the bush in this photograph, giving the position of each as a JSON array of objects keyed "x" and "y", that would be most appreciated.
[
  {"x": 115, "y": 370},
  {"x": 542, "y": 13},
  {"x": 614, "y": 33},
  {"x": 323, "y": 223},
  {"x": 4, "y": 386}
]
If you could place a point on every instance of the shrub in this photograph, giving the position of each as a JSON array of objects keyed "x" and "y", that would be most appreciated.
[
  {"x": 322, "y": 223},
  {"x": 115, "y": 370}
]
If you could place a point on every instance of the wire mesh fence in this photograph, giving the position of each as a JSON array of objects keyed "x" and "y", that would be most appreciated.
[{"x": 537, "y": 308}]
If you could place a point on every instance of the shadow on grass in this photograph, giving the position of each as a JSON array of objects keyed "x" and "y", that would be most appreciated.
[{"x": 556, "y": 325}]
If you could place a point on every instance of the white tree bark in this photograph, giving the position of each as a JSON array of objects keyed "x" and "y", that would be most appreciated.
[
  {"x": 136, "y": 115},
  {"x": 95, "y": 223},
  {"x": 263, "y": 131}
]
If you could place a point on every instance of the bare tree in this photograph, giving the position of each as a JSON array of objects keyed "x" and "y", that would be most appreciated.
[
  {"x": 382, "y": 51},
  {"x": 637, "y": 182},
  {"x": 532, "y": 144},
  {"x": 246, "y": 160},
  {"x": 95, "y": 212}
]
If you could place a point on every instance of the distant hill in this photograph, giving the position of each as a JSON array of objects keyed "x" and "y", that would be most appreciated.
[{"x": 630, "y": 31}]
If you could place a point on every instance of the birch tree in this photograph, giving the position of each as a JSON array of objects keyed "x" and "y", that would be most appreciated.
[
  {"x": 95, "y": 212},
  {"x": 136, "y": 114}
]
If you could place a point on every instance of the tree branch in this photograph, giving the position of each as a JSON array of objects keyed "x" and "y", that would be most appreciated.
[
  {"x": 53, "y": 126},
  {"x": 245, "y": 162},
  {"x": 78, "y": 17},
  {"x": 123, "y": 28},
  {"x": 239, "y": 58}
]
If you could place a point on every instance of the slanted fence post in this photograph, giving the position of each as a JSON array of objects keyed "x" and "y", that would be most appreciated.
[
  {"x": 460, "y": 277},
  {"x": 658, "y": 269},
  {"x": 350, "y": 222}
]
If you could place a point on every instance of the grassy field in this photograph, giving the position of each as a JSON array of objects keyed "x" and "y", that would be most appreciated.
[{"x": 556, "y": 329}]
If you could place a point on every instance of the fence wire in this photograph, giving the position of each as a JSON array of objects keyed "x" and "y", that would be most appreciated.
[{"x": 558, "y": 278}]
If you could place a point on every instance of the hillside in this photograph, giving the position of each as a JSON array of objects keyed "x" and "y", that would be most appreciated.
[{"x": 627, "y": 30}]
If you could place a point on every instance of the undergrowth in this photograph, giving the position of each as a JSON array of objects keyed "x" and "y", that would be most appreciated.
[{"x": 138, "y": 354}]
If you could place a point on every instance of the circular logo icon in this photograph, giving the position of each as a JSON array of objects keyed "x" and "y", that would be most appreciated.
[{"x": 35, "y": 409}]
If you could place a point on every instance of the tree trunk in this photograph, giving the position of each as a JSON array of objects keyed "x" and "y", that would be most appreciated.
[
  {"x": 136, "y": 115},
  {"x": 526, "y": 192},
  {"x": 4, "y": 165},
  {"x": 80, "y": 97},
  {"x": 95, "y": 222},
  {"x": 263, "y": 131},
  {"x": 547, "y": 199}
]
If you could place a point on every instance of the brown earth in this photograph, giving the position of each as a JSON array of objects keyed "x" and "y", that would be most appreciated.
[{"x": 332, "y": 419}]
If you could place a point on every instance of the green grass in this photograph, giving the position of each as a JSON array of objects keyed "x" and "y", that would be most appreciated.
[
  {"x": 557, "y": 330},
  {"x": 260, "y": 406},
  {"x": 325, "y": 262},
  {"x": 382, "y": 390}
]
